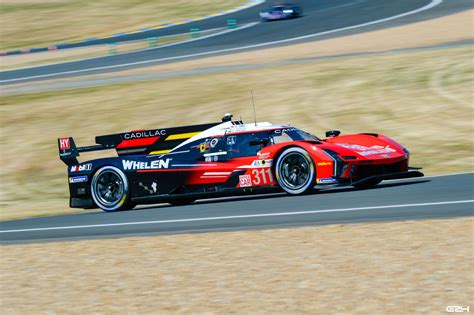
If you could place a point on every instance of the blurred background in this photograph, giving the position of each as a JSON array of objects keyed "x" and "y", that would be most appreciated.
[{"x": 400, "y": 68}]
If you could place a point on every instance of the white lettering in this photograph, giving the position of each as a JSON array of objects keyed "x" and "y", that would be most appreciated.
[
  {"x": 164, "y": 163},
  {"x": 137, "y": 165},
  {"x": 127, "y": 165},
  {"x": 144, "y": 134},
  {"x": 457, "y": 309}
]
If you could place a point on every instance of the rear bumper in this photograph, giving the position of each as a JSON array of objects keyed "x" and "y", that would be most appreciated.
[
  {"x": 83, "y": 203},
  {"x": 399, "y": 175}
]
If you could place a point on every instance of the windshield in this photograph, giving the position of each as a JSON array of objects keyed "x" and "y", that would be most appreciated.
[
  {"x": 291, "y": 134},
  {"x": 276, "y": 9}
]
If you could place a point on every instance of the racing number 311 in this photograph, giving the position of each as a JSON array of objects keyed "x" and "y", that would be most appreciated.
[{"x": 262, "y": 176}]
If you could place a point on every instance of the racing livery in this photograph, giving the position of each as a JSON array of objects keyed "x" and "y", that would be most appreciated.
[
  {"x": 281, "y": 12},
  {"x": 182, "y": 164}
]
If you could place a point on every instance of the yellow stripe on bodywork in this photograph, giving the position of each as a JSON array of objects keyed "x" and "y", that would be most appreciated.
[
  {"x": 160, "y": 152},
  {"x": 182, "y": 136}
]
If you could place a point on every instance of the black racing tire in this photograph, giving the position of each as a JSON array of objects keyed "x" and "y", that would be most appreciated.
[
  {"x": 369, "y": 184},
  {"x": 110, "y": 189},
  {"x": 181, "y": 202},
  {"x": 295, "y": 171}
]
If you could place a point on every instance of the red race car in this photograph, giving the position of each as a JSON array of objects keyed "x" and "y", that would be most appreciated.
[{"x": 182, "y": 164}]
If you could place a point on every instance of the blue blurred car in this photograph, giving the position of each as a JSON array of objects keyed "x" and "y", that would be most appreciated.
[{"x": 281, "y": 12}]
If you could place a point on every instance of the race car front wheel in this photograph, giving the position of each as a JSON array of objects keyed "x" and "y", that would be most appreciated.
[
  {"x": 295, "y": 171},
  {"x": 109, "y": 189}
]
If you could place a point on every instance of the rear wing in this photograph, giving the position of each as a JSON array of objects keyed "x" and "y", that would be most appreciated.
[{"x": 154, "y": 141}]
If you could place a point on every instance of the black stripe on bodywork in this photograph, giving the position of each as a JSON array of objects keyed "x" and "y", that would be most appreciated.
[{"x": 233, "y": 179}]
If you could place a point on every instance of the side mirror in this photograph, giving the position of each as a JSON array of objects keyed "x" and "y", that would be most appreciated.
[
  {"x": 263, "y": 141},
  {"x": 332, "y": 133}
]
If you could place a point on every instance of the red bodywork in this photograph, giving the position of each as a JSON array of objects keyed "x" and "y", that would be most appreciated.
[{"x": 361, "y": 155}]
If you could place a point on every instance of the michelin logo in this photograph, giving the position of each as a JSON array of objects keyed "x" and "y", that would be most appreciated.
[
  {"x": 78, "y": 179},
  {"x": 153, "y": 165},
  {"x": 326, "y": 181}
]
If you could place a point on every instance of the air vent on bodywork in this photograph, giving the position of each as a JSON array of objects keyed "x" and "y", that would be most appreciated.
[
  {"x": 370, "y": 134},
  {"x": 349, "y": 157},
  {"x": 339, "y": 165}
]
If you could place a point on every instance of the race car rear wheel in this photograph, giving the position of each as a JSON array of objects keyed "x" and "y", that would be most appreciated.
[
  {"x": 295, "y": 171},
  {"x": 109, "y": 189}
]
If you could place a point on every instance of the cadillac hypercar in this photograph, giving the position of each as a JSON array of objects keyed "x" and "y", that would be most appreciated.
[{"x": 181, "y": 164}]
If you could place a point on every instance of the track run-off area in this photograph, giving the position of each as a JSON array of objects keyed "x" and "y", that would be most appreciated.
[
  {"x": 434, "y": 197},
  {"x": 426, "y": 198},
  {"x": 322, "y": 20}
]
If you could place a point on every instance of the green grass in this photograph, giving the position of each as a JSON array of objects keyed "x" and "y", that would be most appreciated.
[
  {"x": 423, "y": 100},
  {"x": 50, "y": 22}
]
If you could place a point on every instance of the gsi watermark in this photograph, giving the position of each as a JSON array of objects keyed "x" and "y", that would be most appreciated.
[{"x": 457, "y": 309}]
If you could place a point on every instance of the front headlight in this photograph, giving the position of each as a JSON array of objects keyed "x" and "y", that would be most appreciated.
[{"x": 407, "y": 153}]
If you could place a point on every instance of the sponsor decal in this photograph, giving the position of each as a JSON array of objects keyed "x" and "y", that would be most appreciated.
[
  {"x": 203, "y": 147},
  {"x": 261, "y": 163},
  {"x": 64, "y": 143},
  {"x": 214, "y": 142},
  {"x": 144, "y": 134},
  {"x": 231, "y": 140},
  {"x": 152, "y": 189},
  {"x": 62, "y": 154},
  {"x": 236, "y": 128},
  {"x": 211, "y": 158},
  {"x": 137, "y": 165},
  {"x": 81, "y": 167},
  {"x": 365, "y": 151},
  {"x": 326, "y": 180},
  {"x": 279, "y": 131},
  {"x": 324, "y": 163},
  {"x": 78, "y": 179},
  {"x": 245, "y": 181},
  {"x": 264, "y": 155}
]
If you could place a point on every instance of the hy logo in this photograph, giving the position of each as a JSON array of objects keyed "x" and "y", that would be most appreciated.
[{"x": 64, "y": 143}]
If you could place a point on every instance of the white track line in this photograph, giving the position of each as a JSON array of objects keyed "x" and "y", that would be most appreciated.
[
  {"x": 244, "y": 26},
  {"x": 278, "y": 214},
  {"x": 431, "y": 176},
  {"x": 431, "y": 5}
]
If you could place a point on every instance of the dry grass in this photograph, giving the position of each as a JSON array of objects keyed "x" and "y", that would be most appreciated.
[
  {"x": 42, "y": 23},
  {"x": 424, "y": 100},
  {"x": 391, "y": 268}
]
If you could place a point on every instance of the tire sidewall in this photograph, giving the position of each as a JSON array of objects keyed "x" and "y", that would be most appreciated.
[
  {"x": 311, "y": 182},
  {"x": 123, "y": 202}
]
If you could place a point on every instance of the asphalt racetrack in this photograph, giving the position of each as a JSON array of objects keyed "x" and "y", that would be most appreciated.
[
  {"x": 421, "y": 198},
  {"x": 322, "y": 19}
]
